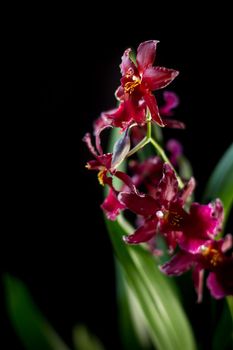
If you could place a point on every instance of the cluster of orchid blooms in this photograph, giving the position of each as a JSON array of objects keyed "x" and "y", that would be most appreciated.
[{"x": 161, "y": 200}]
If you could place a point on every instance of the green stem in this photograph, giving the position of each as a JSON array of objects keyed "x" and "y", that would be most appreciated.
[
  {"x": 165, "y": 158},
  {"x": 140, "y": 145},
  {"x": 148, "y": 139}
]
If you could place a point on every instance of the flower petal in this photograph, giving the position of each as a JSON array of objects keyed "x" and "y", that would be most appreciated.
[
  {"x": 135, "y": 109},
  {"x": 200, "y": 226},
  {"x": 187, "y": 191},
  {"x": 139, "y": 204},
  {"x": 146, "y": 54},
  {"x": 171, "y": 101},
  {"x": 119, "y": 93},
  {"x": 175, "y": 148},
  {"x": 218, "y": 213},
  {"x": 119, "y": 117},
  {"x": 100, "y": 124},
  {"x": 155, "y": 78},
  {"x": 198, "y": 277},
  {"x": 202, "y": 217},
  {"x": 94, "y": 165},
  {"x": 180, "y": 263},
  {"x": 147, "y": 172},
  {"x": 127, "y": 64},
  {"x": 143, "y": 233},
  {"x": 105, "y": 160},
  {"x": 227, "y": 243},
  {"x": 111, "y": 206},
  {"x": 168, "y": 186},
  {"x": 191, "y": 244},
  {"x": 126, "y": 179},
  {"x": 173, "y": 123},
  {"x": 215, "y": 286},
  {"x": 153, "y": 107},
  {"x": 87, "y": 140}
]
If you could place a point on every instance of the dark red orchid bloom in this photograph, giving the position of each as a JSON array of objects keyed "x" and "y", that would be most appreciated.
[
  {"x": 103, "y": 163},
  {"x": 165, "y": 213},
  {"x": 160, "y": 211},
  {"x": 137, "y": 83},
  {"x": 210, "y": 257}
]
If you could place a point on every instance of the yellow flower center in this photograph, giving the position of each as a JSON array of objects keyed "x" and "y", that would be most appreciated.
[
  {"x": 175, "y": 219},
  {"x": 131, "y": 85},
  {"x": 213, "y": 255}
]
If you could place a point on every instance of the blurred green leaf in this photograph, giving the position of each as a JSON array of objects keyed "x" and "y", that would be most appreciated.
[
  {"x": 84, "y": 340},
  {"x": 220, "y": 183},
  {"x": 167, "y": 324},
  {"x": 30, "y": 325},
  {"x": 223, "y": 335},
  {"x": 185, "y": 168},
  {"x": 133, "y": 327},
  {"x": 230, "y": 305}
]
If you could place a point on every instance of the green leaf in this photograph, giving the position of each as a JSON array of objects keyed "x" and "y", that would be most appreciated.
[
  {"x": 230, "y": 305},
  {"x": 133, "y": 329},
  {"x": 166, "y": 322},
  {"x": 223, "y": 335},
  {"x": 185, "y": 168},
  {"x": 221, "y": 181},
  {"x": 30, "y": 325},
  {"x": 84, "y": 340}
]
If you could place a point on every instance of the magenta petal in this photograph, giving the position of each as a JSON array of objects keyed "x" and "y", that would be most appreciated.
[
  {"x": 135, "y": 109},
  {"x": 215, "y": 286},
  {"x": 227, "y": 243},
  {"x": 142, "y": 205},
  {"x": 87, "y": 140},
  {"x": 99, "y": 125},
  {"x": 155, "y": 78},
  {"x": 143, "y": 233},
  {"x": 175, "y": 148},
  {"x": 198, "y": 276},
  {"x": 127, "y": 180},
  {"x": 171, "y": 102},
  {"x": 119, "y": 93},
  {"x": 111, "y": 206},
  {"x": 168, "y": 186},
  {"x": 180, "y": 263},
  {"x": 146, "y": 54},
  {"x": 218, "y": 213},
  {"x": 173, "y": 124},
  {"x": 191, "y": 244},
  {"x": 127, "y": 66},
  {"x": 94, "y": 165},
  {"x": 187, "y": 191},
  {"x": 199, "y": 226},
  {"x": 119, "y": 116},
  {"x": 202, "y": 217},
  {"x": 153, "y": 107},
  {"x": 105, "y": 160}
]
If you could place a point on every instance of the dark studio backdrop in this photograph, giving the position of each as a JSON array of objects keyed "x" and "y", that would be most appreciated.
[{"x": 56, "y": 240}]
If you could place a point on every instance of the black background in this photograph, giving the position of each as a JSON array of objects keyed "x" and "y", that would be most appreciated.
[{"x": 62, "y": 74}]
